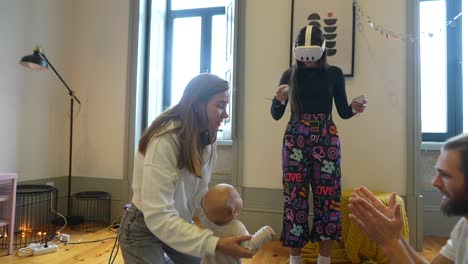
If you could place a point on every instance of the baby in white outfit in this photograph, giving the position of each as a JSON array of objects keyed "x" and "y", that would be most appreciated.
[{"x": 221, "y": 206}]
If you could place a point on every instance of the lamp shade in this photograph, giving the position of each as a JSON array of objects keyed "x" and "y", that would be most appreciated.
[{"x": 34, "y": 61}]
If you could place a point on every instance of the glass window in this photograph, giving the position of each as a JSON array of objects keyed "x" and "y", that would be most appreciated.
[
  {"x": 185, "y": 54},
  {"x": 192, "y": 4},
  {"x": 441, "y": 52},
  {"x": 465, "y": 66},
  {"x": 433, "y": 67},
  {"x": 218, "y": 57},
  {"x": 194, "y": 41},
  {"x": 218, "y": 46}
]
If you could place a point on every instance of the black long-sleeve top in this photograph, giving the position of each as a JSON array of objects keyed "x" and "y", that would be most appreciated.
[{"x": 317, "y": 90}]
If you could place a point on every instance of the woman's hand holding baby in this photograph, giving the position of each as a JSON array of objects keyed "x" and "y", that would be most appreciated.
[{"x": 231, "y": 246}]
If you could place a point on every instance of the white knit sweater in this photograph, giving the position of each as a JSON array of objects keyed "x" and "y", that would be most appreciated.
[{"x": 168, "y": 196}]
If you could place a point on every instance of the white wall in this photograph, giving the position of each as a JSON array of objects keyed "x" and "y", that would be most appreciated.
[
  {"x": 32, "y": 128},
  {"x": 373, "y": 144},
  {"x": 10, "y": 84},
  {"x": 100, "y": 74},
  {"x": 86, "y": 41}
]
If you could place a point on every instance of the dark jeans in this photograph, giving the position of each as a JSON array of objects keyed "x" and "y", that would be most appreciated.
[{"x": 139, "y": 245}]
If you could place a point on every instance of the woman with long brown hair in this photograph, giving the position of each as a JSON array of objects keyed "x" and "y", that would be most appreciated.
[{"x": 173, "y": 167}]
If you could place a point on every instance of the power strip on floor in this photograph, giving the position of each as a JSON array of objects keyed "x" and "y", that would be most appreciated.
[{"x": 41, "y": 249}]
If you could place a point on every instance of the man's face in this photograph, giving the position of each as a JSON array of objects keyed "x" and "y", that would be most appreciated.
[{"x": 450, "y": 181}]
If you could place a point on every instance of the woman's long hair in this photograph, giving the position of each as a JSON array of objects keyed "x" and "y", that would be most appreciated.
[
  {"x": 317, "y": 38},
  {"x": 192, "y": 124}
]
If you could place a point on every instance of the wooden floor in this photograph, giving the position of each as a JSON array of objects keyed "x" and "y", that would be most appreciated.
[
  {"x": 99, "y": 252},
  {"x": 95, "y": 253},
  {"x": 432, "y": 246},
  {"x": 275, "y": 253}
]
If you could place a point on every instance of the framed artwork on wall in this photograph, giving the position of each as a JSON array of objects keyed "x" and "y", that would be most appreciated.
[{"x": 336, "y": 20}]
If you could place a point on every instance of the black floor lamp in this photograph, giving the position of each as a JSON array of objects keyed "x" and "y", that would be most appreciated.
[{"x": 38, "y": 61}]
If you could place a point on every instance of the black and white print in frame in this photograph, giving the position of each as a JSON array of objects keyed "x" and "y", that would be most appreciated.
[{"x": 336, "y": 20}]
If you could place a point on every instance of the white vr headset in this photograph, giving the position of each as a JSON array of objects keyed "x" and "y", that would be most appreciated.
[{"x": 307, "y": 52}]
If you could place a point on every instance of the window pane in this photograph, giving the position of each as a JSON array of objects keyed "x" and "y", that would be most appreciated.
[
  {"x": 433, "y": 67},
  {"x": 220, "y": 64},
  {"x": 185, "y": 54},
  {"x": 190, "y": 4},
  {"x": 218, "y": 46},
  {"x": 156, "y": 59},
  {"x": 465, "y": 66}
]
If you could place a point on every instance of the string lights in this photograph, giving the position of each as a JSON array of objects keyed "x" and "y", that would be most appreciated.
[{"x": 389, "y": 34}]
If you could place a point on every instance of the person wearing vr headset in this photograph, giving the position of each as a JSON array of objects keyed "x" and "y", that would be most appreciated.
[
  {"x": 311, "y": 154},
  {"x": 172, "y": 169}
]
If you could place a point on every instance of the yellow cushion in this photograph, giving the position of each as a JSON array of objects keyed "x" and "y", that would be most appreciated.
[{"x": 355, "y": 247}]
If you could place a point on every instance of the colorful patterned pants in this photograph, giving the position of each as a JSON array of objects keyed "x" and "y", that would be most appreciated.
[{"x": 311, "y": 161}]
